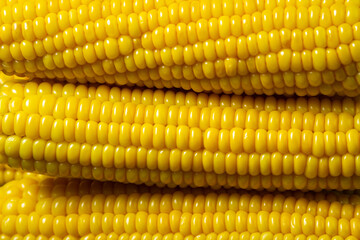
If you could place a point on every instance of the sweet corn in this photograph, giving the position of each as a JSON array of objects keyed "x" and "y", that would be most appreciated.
[
  {"x": 73, "y": 209},
  {"x": 182, "y": 139},
  {"x": 267, "y": 47}
]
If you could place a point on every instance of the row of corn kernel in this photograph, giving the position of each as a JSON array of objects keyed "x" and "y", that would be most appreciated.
[
  {"x": 183, "y": 179},
  {"x": 97, "y": 9},
  {"x": 42, "y": 8},
  {"x": 107, "y": 71},
  {"x": 319, "y": 59},
  {"x": 169, "y": 97},
  {"x": 287, "y": 83},
  {"x": 226, "y": 43},
  {"x": 73, "y": 108},
  {"x": 94, "y": 204},
  {"x": 83, "y": 11},
  {"x": 249, "y": 84},
  {"x": 119, "y": 198},
  {"x": 157, "y": 203},
  {"x": 16, "y": 109},
  {"x": 77, "y": 24},
  {"x": 57, "y": 29},
  {"x": 187, "y": 200},
  {"x": 248, "y": 80},
  {"x": 59, "y": 127},
  {"x": 237, "y": 52},
  {"x": 183, "y": 137},
  {"x": 189, "y": 203},
  {"x": 177, "y": 236},
  {"x": 178, "y": 222},
  {"x": 329, "y": 81},
  {"x": 174, "y": 160}
]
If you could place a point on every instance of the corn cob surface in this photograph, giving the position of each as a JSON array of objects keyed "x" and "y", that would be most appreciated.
[
  {"x": 231, "y": 46},
  {"x": 74, "y": 209},
  {"x": 167, "y": 138}
]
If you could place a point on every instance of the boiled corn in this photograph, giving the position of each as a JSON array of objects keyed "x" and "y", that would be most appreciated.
[
  {"x": 70, "y": 209},
  {"x": 229, "y": 46},
  {"x": 180, "y": 139}
]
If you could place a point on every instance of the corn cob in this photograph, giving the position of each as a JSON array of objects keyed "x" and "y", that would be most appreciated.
[
  {"x": 100, "y": 133},
  {"x": 70, "y": 209},
  {"x": 8, "y": 174},
  {"x": 231, "y": 46}
]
